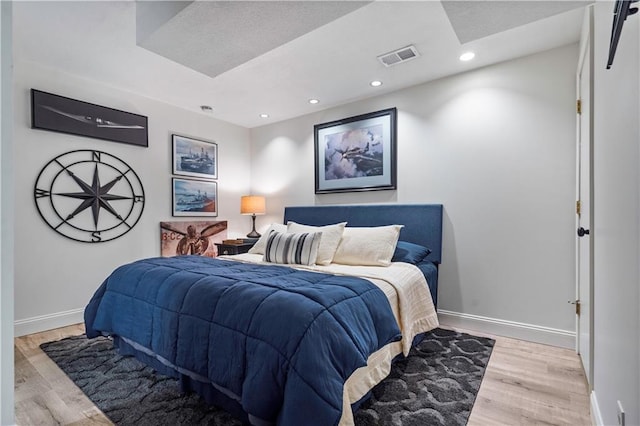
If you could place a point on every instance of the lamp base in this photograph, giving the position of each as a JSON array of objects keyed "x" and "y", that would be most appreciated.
[{"x": 253, "y": 233}]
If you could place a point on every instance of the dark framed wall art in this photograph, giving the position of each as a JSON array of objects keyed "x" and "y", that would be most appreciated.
[
  {"x": 194, "y": 157},
  {"x": 193, "y": 197},
  {"x": 66, "y": 115},
  {"x": 356, "y": 153}
]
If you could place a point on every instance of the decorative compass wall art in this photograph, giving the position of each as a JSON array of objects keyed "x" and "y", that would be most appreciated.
[{"x": 89, "y": 196}]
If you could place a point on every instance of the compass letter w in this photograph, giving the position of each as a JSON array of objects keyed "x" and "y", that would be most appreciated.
[{"x": 40, "y": 193}]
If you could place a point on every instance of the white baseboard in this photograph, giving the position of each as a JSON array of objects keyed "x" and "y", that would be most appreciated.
[
  {"x": 516, "y": 330},
  {"x": 596, "y": 416},
  {"x": 48, "y": 322},
  {"x": 530, "y": 332}
]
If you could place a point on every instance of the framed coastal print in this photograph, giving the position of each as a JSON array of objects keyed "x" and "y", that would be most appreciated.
[
  {"x": 356, "y": 153},
  {"x": 66, "y": 115},
  {"x": 194, "y": 197},
  {"x": 194, "y": 157},
  {"x": 197, "y": 238}
]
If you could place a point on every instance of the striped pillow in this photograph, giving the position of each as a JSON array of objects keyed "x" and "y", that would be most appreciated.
[{"x": 301, "y": 249}]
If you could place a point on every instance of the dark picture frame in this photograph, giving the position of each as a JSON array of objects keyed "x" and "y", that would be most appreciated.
[
  {"x": 65, "y": 115},
  {"x": 356, "y": 153},
  {"x": 194, "y": 157},
  {"x": 193, "y": 197}
]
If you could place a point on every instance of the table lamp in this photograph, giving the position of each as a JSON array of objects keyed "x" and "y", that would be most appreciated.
[{"x": 253, "y": 205}]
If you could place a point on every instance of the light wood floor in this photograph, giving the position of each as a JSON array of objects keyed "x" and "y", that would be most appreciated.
[{"x": 524, "y": 384}]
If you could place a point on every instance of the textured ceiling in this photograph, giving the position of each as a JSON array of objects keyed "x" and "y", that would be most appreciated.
[
  {"x": 332, "y": 59},
  {"x": 215, "y": 36},
  {"x": 473, "y": 20}
]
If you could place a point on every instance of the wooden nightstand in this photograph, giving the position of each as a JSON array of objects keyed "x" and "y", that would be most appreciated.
[{"x": 233, "y": 248}]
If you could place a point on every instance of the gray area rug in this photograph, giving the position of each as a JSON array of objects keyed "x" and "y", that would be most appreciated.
[{"x": 435, "y": 385}]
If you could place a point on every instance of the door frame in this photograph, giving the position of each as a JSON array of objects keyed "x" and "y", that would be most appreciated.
[{"x": 586, "y": 45}]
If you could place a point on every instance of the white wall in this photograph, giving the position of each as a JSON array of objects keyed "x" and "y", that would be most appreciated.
[
  {"x": 496, "y": 146},
  {"x": 55, "y": 276},
  {"x": 616, "y": 219},
  {"x": 6, "y": 217}
]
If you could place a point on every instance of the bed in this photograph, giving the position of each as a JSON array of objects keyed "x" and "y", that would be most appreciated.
[{"x": 278, "y": 344}]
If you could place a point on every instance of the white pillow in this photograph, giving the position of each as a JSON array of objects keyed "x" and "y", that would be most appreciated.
[
  {"x": 373, "y": 246},
  {"x": 331, "y": 235},
  {"x": 258, "y": 247},
  {"x": 301, "y": 249}
]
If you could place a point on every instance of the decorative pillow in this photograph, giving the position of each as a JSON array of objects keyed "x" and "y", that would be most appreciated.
[
  {"x": 258, "y": 247},
  {"x": 410, "y": 253},
  {"x": 331, "y": 235},
  {"x": 301, "y": 249},
  {"x": 372, "y": 246}
]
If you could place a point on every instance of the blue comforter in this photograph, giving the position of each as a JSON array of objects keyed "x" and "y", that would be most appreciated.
[{"x": 278, "y": 340}]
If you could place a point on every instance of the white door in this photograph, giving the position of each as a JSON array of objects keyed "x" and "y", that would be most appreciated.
[{"x": 584, "y": 212}]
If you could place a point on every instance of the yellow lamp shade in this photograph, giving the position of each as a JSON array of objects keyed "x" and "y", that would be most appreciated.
[{"x": 252, "y": 204}]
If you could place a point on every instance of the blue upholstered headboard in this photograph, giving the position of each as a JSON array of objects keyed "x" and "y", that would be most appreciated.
[{"x": 422, "y": 222}]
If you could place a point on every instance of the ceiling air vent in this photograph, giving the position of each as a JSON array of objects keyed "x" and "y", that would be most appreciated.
[{"x": 398, "y": 56}]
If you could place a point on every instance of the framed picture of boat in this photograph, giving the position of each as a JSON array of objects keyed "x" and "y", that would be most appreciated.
[
  {"x": 65, "y": 115},
  {"x": 195, "y": 157},
  {"x": 193, "y": 197}
]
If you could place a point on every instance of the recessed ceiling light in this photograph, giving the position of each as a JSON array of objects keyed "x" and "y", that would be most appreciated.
[
  {"x": 313, "y": 101},
  {"x": 375, "y": 83},
  {"x": 206, "y": 108},
  {"x": 467, "y": 56},
  {"x": 264, "y": 115}
]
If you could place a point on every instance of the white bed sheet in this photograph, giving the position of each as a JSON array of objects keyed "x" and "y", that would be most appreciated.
[{"x": 408, "y": 293}]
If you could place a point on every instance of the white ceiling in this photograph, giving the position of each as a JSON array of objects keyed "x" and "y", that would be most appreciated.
[{"x": 272, "y": 57}]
